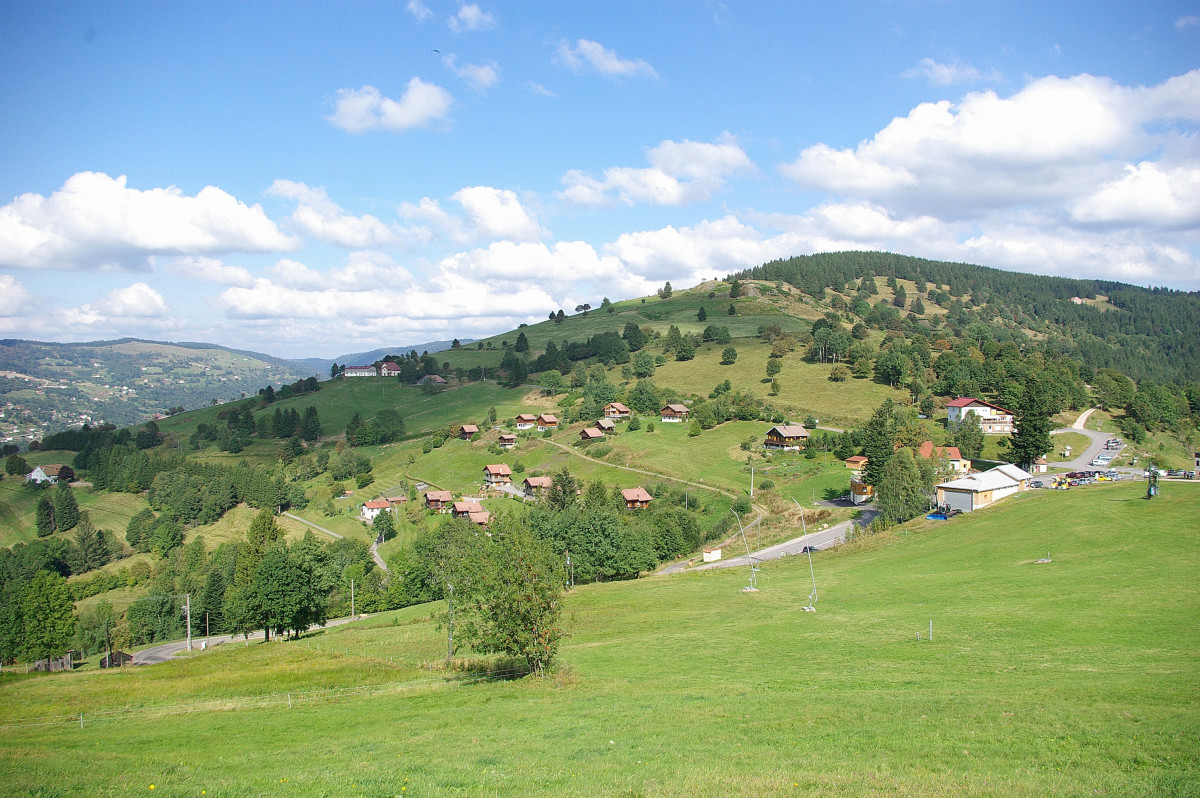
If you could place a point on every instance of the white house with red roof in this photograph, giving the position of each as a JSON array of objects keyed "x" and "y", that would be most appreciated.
[
  {"x": 993, "y": 419},
  {"x": 371, "y": 509}
]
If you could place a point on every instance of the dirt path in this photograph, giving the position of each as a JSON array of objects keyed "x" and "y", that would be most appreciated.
[{"x": 329, "y": 532}]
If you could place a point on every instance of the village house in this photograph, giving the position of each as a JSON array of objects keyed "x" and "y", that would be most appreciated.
[
  {"x": 372, "y": 509},
  {"x": 786, "y": 438},
  {"x": 860, "y": 492},
  {"x": 546, "y": 421},
  {"x": 616, "y": 411},
  {"x": 636, "y": 498},
  {"x": 464, "y": 508},
  {"x": 979, "y": 490},
  {"x": 507, "y": 440},
  {"x": 431, "y": 379},
  {"x": 480, "y": 517},
  {"x": 673, "y": 414},
  {"x": 856, "y": 463},
  {"x": 993, "y": 419},
  {"x": 44, "y": 473},
  {"x": 439, "y": 500},
  {"x": 536, "y": 486},
  {"x": 526, "y": 421},
  {"x": 497, "y": 474},
  {"x": 590, "y": 434},
  {"x": 1041, "y": 465},
  {"x": 466, "y": 431},
  {"x": 956, "y": 463},
  {"x": 360, "y": 371},
  {"x": 606, "y": 425},
  {"x": 389, "y": 369}
]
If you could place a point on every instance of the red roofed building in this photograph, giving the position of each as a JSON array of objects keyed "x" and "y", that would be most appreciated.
[
  {"x": 467, "y": 430},
  {"x": 389, "y": 369},
  {"x": 616, "y": 411},
  {"x": 526, "y": 421},
  {"x": 507, "y": 441},
  {"x": 636, "y": 498},
  {"x": 993, "y": 419},
  {"x": 373, "y": 508},
  {"x": 498, "y": 474},
  {"x": 546, "y": 421},
  {"x": 439, "y": 500},
  {"x": 590, "y": 434},
  {"x": 535, "y": 486}
]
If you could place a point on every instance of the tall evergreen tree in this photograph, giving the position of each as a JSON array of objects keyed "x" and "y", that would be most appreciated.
[
  {"x": 47, "y": 615},
  {"x": 1031, "y": 419},
  {"x": 91, "y": 549},
  {"x": 900, "y": 493},
  {"x": 66, "y": 510},
  {"x": 45, "y": 517},
  {"x": 878, "y": 442}
]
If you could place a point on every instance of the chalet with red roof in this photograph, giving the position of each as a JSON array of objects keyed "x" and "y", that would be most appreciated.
[
  {"x": 439, "y": 500},
  {"x": 993, "y": 419},
  {"x": 371, "y": 509},
  {"x": 497, "y": 474},
  {"x": 616, "y": 411},
  {"x": 507, "y": 440},
  {"x": 636, "y": 498},
  {"x": 546, "y": 421},
  {"x": 466, "y": 431},
  {"x": 464, "y": 508},
  {"x": 389, "y": 369},
  {"x": 526, "y": 421},
  {"x": 957, "y": 463},
  {"x": 536, "y": 486},
  {"x": 590, "y": 434}
]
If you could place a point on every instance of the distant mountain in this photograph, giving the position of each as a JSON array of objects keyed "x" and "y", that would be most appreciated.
[
  {"x": 321, "y": 366},
  {"x": 47, "y": 387}
]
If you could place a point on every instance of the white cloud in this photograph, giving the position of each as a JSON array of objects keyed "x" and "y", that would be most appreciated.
[
  {"x": 680, "y": 173},
  {"x": 138, "y": 301},
  {"x": 15, "y": 299},
  {"x": 1051, "y": 143},
  {"x": 587, "y": 54},
  {"x": 488, "y": 214},
  {"x": 1187, "y": 22},
  {"x": 470, "y": 18},
  {"x": 321, "y": 218},
  {"x": 538, "y": 88},
  {"x": 477, "y": 76},
  {"x": 1147, "y": 194},
  {"x": 949, "y": 74},
  {"x": 418, "y": 10},
  {"x": 210, "y": 270},
  {"x": 360, "y": 110},
  {"x": 96, "y": 222}
]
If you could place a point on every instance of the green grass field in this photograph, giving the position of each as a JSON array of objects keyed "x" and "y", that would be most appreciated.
[{"x": 1076, "y": 677}]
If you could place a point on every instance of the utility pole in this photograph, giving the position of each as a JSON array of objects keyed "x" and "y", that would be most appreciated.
[
  {"x": 751, "y": 485},
  {"x": 353, "y": 615},
  {"x": 753, "y": 587},
  {"x": 449, "y": 622},
  {"x": 188, "y": 608}
]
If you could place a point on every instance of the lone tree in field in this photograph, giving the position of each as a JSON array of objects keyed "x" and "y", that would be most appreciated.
[{"x": 878, "y": 442}]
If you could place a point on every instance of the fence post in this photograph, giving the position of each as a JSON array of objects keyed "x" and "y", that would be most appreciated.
[{"x": 81, "y": 720}]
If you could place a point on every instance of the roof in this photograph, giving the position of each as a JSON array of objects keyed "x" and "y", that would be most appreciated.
[
  {"x": 789, "y": 431},
  {"x": 636, "y": 495},
  {"x": 51, "y": 469},
  {"x": 377, "y": 504},
  {"x": 856, "y": 459},
  {"x": 548, "y": 418},
  {"x": 481, "y": 517},
  {"x": 1002, "y": 476},
  {"x": 467, "y": 507},
  {"x": 526, "y": 417},
  {"x": 591, "y": 433},
  {"x": 675, "y": 408},
  {"x": 967, "y": 401},
  {"x": 538, "y": 482},
  {"x": 439, "y": 495},
  {"x": 620, "y": 408},
  {"x": 928, "y": 450},
  {"x": 507, "y": 436},
  {"x": 471, "y": 428},
  {"x": 606, "y": 424},
  {"x": 498, "y": 469},
  {"x": 1013, "y": 472},
  {"x": 396, "y": 499},
  {"x": 390, "y": 366}
]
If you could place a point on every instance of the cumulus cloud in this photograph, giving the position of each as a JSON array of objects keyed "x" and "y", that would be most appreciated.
[
  {"x": 138, "y": 301},
  {"x": 1147, "y": 194},
  {"x": 97, "y": 222},
  {"x": 15, "y": 299},
  {"x": 1054, "y": 141},
  {"x": 477, "y": 76},
  {"x": 318, "y": 216},
  {"x": 679, "y": 173},
  {"x": 590, "y": 55},
  {"x": 949, "y": 74},
  {"x": 361, "y": 110},
  {"x": 470, "y": 17},
  {"x": 418, "y": 10},
  {"x": 487, "y": 213},
  {"x": 209, "y": 270}
]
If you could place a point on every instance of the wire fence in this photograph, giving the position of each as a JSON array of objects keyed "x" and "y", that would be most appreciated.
[{"x": 264, "y": 701}]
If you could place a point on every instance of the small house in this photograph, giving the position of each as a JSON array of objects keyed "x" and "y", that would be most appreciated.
[
  {"x": 546, "y": 421},
  {"x": 979, "y": 490},
  {"x": 480, "y": 517},
  {"x": 535, "y": 486},
  {"x": 616, "y": 411},
  {"x": 526, "y": 421},
  {"x": 464, "y": 508},
  {"x": 466, "y": 431},
  {"x": 507, "y": 441},
  {"x": 856, "y": 463},
  {"x": 590, "y": 434},
  {"x": 956, "y": 463},
  {"x": 606, "y": 425},
  {"x": 1041, "y": 465},
  {"x": 431, "y": 379},
  {"x": 373, "y": 508},
  {"x": 636, "y": 498},
  {"x": 438, "y": 500},
  {"x": 389, "y": 369},
  {"x": 788, "y": 438},
  {"x": 861, "y": 492},
  {"x": 711, "y": 555},
  {"x": 497, "y": 474},
  {"x": 673, "y": 414}
]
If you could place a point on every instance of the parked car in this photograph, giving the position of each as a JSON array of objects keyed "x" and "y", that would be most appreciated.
[{"x": 809, "y": 550}]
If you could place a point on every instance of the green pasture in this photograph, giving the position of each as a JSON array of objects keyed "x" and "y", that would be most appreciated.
[
  {"x": 1073, "y": 677},
  {"x": 18, "y": 509}
]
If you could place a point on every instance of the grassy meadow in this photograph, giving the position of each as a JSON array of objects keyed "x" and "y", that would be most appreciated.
[{"x": 1073, "y": 677}]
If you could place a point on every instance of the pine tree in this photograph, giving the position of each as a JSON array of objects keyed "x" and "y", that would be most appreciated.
[
  {"x": 45, "y": 517},
  {"x": 1031, "y": 419},
  {"x": 702, "y": 314},
  {"x": 66, "y": 510},
  {"x": 878, "y": 442},
  {"x": 732, "y": 310},
  {"x": 91, "y": 549},
  {"x": 900, "y": 494}
]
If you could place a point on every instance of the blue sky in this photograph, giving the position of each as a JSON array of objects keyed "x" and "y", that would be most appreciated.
[{"x": 308, "y": 179}]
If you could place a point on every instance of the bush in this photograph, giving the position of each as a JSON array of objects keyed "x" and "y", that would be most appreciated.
[
  {"x": 741, "y": 505},
  {"x": 766, "y": 484}
]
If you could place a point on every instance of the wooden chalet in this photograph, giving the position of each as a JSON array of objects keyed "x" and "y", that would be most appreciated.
[
  {"x": 606, "y": 425},
  {"x": 439, "y": 500},
  {"x": 497, "y": 474},
  {"x": 787, "y": 438},
  {"x": 467, "y": 431},
  {"x": 616, "y": 411},
  {"x": 526, "y": 421},
  {"x": 636, "y": 498},
  {"x": 590, "y": 434},
  {"x": 546, "y": 421},
  {"x": 536, "y": 486},
  {"x": 507, "y": 440},
  {"x": 462, "y": 509},
  {"x": 673, "y": 414}
]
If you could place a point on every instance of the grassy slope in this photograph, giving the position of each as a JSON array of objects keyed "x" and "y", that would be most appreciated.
[{"x": 687, "y": 686}]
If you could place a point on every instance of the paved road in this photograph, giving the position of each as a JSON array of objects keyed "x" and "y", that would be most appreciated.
[
  {"x": 164, "y": 652},
  {"x": 1095, "y": 446}
]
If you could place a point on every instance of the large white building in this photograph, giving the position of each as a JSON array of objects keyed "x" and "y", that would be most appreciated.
[
  {"x": 980, "y": 490},
  {"x": 994, "y": 420}
]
